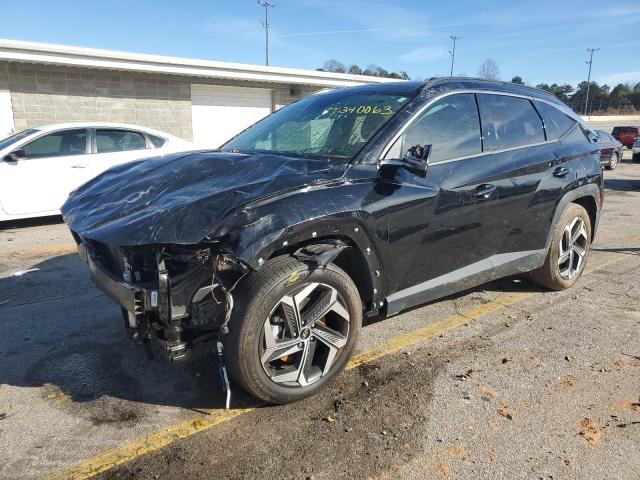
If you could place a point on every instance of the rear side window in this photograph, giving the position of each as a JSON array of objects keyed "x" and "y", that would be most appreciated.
[
  {"x": 108, "y": 141},
  {"x": 555, "y": 122},
  {"x": 157, "y": 142},
  {"x": 451, "y": 126},
  {"x": 58, "y": 144},
  {"x": 508, "y": 122}
]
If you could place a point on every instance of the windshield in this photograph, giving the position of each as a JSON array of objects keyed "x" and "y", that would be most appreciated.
[
  {"x": 336, "y": 124},
  {"x": 16, "y": 137}
]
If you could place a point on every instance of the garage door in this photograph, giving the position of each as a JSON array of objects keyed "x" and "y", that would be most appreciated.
[{"x": 220, "y": 112}]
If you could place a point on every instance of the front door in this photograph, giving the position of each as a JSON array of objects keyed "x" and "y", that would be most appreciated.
[
  {"x": 446, "y": 220},
  {"x": 55, "y": 164}
]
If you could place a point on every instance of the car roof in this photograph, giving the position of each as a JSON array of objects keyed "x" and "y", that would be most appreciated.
[
  {"x": 455, "y": 83},
  {"x": 62, "y": 126}
]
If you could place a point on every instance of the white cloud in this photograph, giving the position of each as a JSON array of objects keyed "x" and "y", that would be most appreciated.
[
  {"x": 612, "y": 80},
  {"x": 429, "y": 53}
]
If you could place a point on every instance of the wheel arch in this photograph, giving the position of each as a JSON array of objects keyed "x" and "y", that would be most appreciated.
[{"x": 585, "y": 196}]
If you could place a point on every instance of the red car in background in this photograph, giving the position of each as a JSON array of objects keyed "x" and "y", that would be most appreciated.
[{"x": 625, "y": 135}]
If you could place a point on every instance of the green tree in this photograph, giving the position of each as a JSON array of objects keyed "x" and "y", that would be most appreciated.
[
  {"x": 517, "y": 79},
  {"x": 355, "y": 70}
]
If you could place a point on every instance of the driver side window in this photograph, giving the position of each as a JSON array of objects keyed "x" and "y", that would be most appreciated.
[
  {"x": 58, "y": 144},
  {"x": 451, "y": 126}
]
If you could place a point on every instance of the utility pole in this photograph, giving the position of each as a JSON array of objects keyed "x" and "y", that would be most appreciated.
[
  {"x": 265, "y": 24},
  {"x": 589, "y": 62},
  {"x": 453, "y": 52}
]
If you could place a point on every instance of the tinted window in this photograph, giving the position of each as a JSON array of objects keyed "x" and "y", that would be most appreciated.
[
  {"x": 603, "y": 136},
  {"x": 58, "y": 144},
  {"x": 451, "y": 126},
  {"x": 508, "y": 122},
  {"x": 335, "y": 124},
  {"x": 118, "y": 141},
  {"x": 556, "y": 122},
  {"x": 157, "y": 142}
]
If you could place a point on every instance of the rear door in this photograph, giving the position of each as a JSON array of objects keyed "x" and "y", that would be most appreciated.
[{"x": 54, "y": 165}]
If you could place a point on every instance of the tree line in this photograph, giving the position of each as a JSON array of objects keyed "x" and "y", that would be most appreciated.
[{"x": 624, "y": 98}]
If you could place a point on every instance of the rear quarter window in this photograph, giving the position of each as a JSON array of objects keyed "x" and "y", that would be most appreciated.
[
  {"x": 157, "y": 142},
  {"x": 556, "y": 123}
]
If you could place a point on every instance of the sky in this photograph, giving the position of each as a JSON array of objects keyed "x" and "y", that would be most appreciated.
[{"x": 541, "y": 41}]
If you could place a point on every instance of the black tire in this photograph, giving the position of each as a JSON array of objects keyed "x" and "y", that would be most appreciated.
[
  {"x": 613, "y": 163},
  {"x": 549, "y": 275},
  {"x": 636, "y": 158},
  {"x": 257, "y": 296}
]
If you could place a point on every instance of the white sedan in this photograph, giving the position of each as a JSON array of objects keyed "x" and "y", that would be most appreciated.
[{"x": 39, "y": 167}]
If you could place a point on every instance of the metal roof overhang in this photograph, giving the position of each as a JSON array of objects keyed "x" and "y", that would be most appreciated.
[{"x": 43, "y": 53}]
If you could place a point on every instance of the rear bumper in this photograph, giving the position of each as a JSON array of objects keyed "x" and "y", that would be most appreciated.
[{"x": 130, "y": 297}]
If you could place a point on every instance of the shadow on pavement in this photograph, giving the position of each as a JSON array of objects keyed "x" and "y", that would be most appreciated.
[
  {"x": 59, "y": 333},
  {"x": 31, "y": 222}
]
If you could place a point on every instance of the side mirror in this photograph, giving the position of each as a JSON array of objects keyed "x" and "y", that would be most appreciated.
[
  {"x": 15, "y": 156},
  {"x": 417, "y": 158}
]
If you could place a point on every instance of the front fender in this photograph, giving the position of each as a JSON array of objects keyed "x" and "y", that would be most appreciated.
[{"x": 352, "y": 212}]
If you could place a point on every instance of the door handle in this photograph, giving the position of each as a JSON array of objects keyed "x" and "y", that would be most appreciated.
[
  {"x": 81, "y": 165},
  {"x": 561, "y": 172},
  {"x": 483, "y": 192}
]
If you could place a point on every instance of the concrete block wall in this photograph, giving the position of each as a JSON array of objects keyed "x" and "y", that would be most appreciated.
[{"x": 43, "y": 94}]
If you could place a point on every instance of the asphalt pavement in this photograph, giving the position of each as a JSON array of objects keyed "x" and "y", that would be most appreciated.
[{"x": 502, "y": 381}]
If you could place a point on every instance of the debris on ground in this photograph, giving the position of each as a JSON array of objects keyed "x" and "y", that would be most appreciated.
[
  {"x": 569, "y": 358},
  {"x": 329, "y": 419},
  {"x": 3, "y": 415},
  {"x": 338, "y": 405},
  {"x": 507, "y": 412},
  {"x": 590, "y": 431},
  {"x": 465, "y": 376},
  {"x": 20, "y": 273}
]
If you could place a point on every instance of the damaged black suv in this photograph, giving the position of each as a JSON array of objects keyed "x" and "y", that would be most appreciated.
[{"x": 346, "y": 205}]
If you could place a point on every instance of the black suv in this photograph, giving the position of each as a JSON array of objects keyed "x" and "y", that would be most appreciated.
[{"x": 346, "y": 205}]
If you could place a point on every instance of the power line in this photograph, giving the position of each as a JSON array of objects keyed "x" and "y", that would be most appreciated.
[
  {"x": 589, "y": 62},
  {"x": 453, "y": 52},
  {"x": 265, "y": 24}
]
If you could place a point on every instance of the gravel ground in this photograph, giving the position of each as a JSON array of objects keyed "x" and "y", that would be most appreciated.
[{"x": 545, "y": 388}]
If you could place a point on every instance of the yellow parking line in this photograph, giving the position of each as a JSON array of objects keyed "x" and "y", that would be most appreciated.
[
  {"x": 153, "y": 442},
  {"x": 144, "y": 445},
  {"x": 430, "y": 331}
]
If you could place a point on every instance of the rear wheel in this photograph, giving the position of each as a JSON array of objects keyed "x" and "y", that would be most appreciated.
[
  {"x": 568, "y": 251},
  {"x": 636, "y": 157},
  {"x": 293, "y": 330}
]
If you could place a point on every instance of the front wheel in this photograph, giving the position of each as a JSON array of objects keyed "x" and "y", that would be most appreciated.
[
  {"x": 568, "y": 251},
  {"x": 293, "y": 329},
  {"x": 636, "y": 157},
  {"x": 613, "y": 163}
]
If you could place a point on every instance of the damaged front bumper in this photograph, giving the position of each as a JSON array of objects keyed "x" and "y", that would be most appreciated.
[
  {"x": 171, "y": 294},
  {"x": 133, "y": 299}
]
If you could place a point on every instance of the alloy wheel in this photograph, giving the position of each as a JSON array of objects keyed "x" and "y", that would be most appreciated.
[
  {"x": 573, "y": 248},
  {"x": 614, "y": 161},
  {"x": 303, "y": 335}
]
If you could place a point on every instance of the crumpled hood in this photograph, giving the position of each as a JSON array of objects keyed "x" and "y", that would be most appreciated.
[{"x": 181, "y": 198}]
